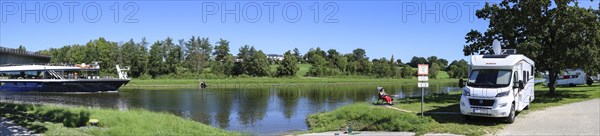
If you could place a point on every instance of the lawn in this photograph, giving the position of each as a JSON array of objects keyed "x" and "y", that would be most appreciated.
[
  {"x": 61, "y": 120},
  {"x": 438, "y": 123}
]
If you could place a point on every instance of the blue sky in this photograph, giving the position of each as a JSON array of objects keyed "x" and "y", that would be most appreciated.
[{"x": 383, "y": 28}]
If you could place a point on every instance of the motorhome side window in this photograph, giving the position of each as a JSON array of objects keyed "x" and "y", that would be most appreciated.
[
  {"x": 516, "y": 77},
  {"x": 491, "y": 78},
  {"x": 524, "y": 77},
  {"x": 532, "y": 70}
]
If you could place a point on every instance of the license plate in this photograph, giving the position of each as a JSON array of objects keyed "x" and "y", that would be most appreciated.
[{"x": 480, "y": 111}]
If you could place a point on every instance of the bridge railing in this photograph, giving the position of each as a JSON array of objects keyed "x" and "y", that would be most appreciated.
[{"x": 19, "y": 52}]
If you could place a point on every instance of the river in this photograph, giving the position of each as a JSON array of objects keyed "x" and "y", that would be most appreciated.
[{"x": 263, "y": 110}]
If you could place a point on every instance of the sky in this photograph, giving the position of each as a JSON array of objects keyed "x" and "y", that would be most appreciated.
[{"x": 403, "y": 28}]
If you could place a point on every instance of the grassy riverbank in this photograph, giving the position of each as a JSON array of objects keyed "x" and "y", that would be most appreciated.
[
  {"x": 377, "y": 118},
  {"x": 270, "y": 81},
  {"x": 60, "y": 120}
]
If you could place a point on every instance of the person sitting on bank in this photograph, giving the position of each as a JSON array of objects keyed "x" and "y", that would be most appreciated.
[
  {"x": 202, "y": 85},
  {"x": 385, "y": 96}
]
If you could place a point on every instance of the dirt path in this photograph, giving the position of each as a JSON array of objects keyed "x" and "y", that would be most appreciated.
[{"x": 581, "y": 118}]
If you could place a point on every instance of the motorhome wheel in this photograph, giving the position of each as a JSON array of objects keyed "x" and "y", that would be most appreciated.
[{"x": 511, "y": 117}]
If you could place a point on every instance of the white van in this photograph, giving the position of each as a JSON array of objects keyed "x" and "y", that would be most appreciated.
[
  {"x": 498, "y": 86},
  {"x": 571, "y": 77}
]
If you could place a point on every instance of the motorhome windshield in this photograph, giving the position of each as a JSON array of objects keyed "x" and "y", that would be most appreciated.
[{"x": 492, "y": 78}]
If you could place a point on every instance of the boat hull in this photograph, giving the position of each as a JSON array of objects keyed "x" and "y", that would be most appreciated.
[{"x": 54, "y": 85}]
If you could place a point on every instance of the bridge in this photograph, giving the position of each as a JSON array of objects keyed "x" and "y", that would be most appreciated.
[{"x": 14, "y": 56}]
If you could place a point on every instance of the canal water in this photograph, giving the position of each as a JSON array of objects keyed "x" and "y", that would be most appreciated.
[{"x": 263, "y": 110}]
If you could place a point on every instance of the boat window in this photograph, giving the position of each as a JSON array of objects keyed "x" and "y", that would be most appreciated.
[{"x": 489, "y": 78}]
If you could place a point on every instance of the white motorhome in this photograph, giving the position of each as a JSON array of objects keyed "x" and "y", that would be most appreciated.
[
  {"x": 498, "y": 86},
  {"x": 571, "y": 77}
]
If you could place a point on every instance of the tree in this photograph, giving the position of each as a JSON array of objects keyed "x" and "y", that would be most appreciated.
[
  {"x": 432, "y": 59},
  {"x": 197, "y": 53},
  {"x": 298, "y": 55},
  {"x": 258, "y": 64},
  {"x": 221, "y": 50},
  {"x": 458, "y": 69},
  {"x": 443, "y": 63},
  {"x": 434, "y": 68},
  {"x": 288, "y": 66},
  {"x": 76, "y": 54},
  {"x": 156, "y": 60},
  {"x": 314, "y": 52},
  {"x": 336, "y": 60},
  {"x": 22, "y": 48},
  {"x": 383, "y": 68},
  {"x": 224, "y": 67},
  {"x": 129, "y": 56},
  {"x": 359, "y": 54},
  {"x": 173, "y": 58},
  {"x": 407, "y": 72},
  {"x": 557, "y": 36},
  {"x": 141, "y": 63},
  {"x": 319, "y": 67},
  {"x": 415, "y": 61},
  {"x": 399, "y": 62},
  {"x": 245, "y": 55}
]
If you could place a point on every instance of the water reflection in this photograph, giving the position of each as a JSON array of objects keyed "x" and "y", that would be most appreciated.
[{"x": 257, "y": 109}]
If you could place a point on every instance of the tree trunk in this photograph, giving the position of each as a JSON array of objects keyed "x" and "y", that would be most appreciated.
[{"x": 552, "y": 83}]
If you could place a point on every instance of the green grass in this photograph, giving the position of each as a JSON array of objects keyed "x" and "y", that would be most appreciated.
[
  {"x": 364, "y": 117},
  {"x": 303, "y": 69},
  {"x": 454, "y": 124},
  {"x": 60, "y": 120},
  {"x": 442, "y": 75},
  {"x": 192, "y": 83}
]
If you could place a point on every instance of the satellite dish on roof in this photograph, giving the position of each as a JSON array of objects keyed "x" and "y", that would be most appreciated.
[{"x": 496, "y": 47}]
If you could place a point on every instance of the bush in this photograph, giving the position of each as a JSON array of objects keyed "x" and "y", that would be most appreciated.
[{"x": 407, "y": 72}]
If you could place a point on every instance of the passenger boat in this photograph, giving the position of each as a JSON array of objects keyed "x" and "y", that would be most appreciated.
[{"x": 59, "y": 78}]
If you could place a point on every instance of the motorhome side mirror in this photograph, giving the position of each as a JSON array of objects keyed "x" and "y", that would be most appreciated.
[
  {"x": 521, "y": 86},
  {"x": 461, "y": 83}
]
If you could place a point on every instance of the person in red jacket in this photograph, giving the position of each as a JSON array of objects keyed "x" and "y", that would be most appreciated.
[{"x": 385, "y": 96}]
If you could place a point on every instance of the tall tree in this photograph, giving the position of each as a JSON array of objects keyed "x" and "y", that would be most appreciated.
[
  {"x": 129, "y": 56},
  {"x": 173, "y": 58},
  {"x": 197, "y": 54},
  {"x": 141, "y": 63},
  {"x": 156, "y": 59},
  {"x": 557, "y": 36},
  {"x": 298, "y": 55},
  {"x": 221, "y": 50},
  {"x": 245, "y": 54}
]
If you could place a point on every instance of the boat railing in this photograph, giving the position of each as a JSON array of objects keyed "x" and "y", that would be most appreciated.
[
  {"x": 49, "y": 64},
  {"x": 55, "y": 74}
]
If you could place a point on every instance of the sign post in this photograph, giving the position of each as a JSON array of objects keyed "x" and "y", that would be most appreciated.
[{"x": 422, "y": 73}]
